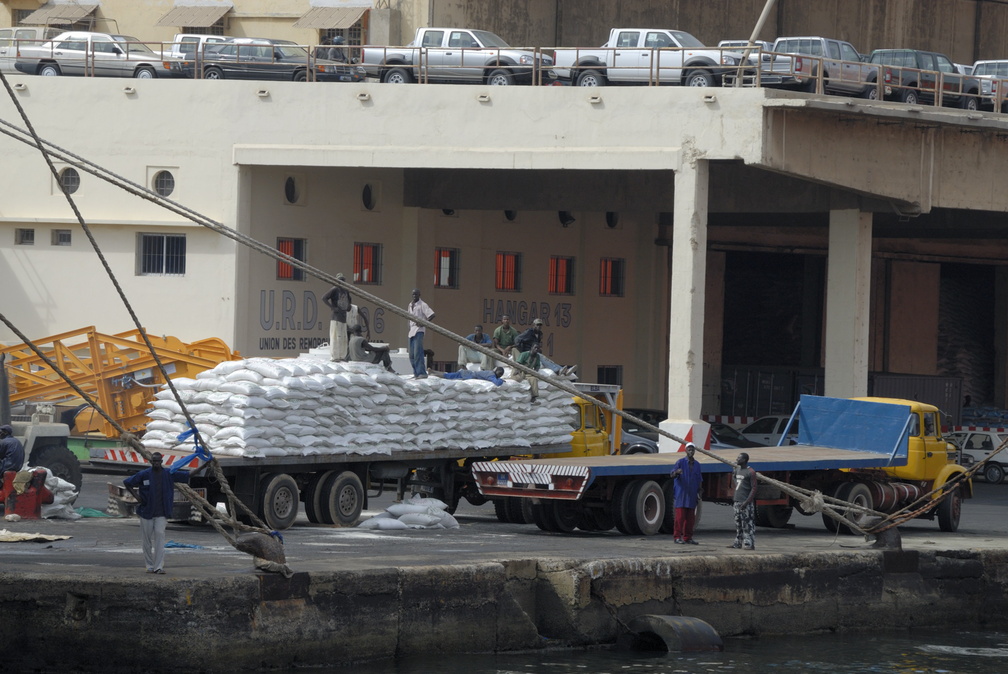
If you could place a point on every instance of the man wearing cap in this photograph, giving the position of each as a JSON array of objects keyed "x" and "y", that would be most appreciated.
[
  {"x": 11, "y": 451},
  {"x": 688, "y": 483},
  {"x": 338, "y": 299},
  {"x": 524, "y": 341},
  {"x": 156, "y": 496}
]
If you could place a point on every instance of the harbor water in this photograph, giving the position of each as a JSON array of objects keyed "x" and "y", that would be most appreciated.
[{"x": 913, "y": 652}]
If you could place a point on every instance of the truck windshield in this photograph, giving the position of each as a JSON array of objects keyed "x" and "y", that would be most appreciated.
[
  {"x": 685, "y": 39},
  {"x": 490, "y": 40}
]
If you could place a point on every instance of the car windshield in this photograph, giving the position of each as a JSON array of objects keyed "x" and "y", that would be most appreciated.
[
  {"x": 290, "y": 51},
  {"x": 133, "y": 45},
  {"x": 490, "y": 40},
  {"x": 726, "y": 432},
  {"x": 685, "y": 39}
]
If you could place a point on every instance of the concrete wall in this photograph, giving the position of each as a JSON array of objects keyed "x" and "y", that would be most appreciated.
[{"x": 265, "y": 622}]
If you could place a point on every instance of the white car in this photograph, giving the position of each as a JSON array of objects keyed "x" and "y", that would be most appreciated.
[
  {"x": 769, "y": 429},
  {"x": 81, "y": 52},
  {"x": 977, "y": 446}
]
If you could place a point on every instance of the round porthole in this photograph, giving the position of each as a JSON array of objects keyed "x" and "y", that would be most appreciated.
[
  {"x": 368, "y": 197},
  {"x": 611, "y": 219},
  {"x": 291, "y": 191},
  {"x": 69, "y": 180},
  {"x": 448, "y": 211},
  {"x": 164, "y": 183},
  {"x": 510, "y": 215}
]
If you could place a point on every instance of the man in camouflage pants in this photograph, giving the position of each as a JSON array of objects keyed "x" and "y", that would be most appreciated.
[{"x": 745, "y": 504}]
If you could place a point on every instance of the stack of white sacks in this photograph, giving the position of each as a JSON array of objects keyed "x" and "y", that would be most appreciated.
[{"x": 311, "y": 406}]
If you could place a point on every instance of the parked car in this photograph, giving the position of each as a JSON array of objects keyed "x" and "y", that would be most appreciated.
[
  {"x": 81, "y": 52},
  {"x": 725, "y": 436},
  {"x": 741, "y": 45},
  {"x": 722, "y": 435},
  {"x": 843, "y": 70},
  {"x": 769, "y": 429},
  {"x": 248, "y": 58},
  {"x": 978, "y": 445},
  {"x": 12, "y": 39},
  {"x": 190, "y": 45},
  {"x": 993, "y": 77},
  {"x": 913, "y": 76}
]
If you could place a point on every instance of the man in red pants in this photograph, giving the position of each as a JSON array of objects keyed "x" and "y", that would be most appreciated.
[{"x": 688, "y": 483}]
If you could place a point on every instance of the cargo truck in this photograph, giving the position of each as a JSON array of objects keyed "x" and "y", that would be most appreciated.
[{"x": 878, "y": 453}]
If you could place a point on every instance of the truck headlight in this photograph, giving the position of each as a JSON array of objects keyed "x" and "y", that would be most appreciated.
[
  {"x": 527, "y": 60},
  {"x": 729, "y": 60}
]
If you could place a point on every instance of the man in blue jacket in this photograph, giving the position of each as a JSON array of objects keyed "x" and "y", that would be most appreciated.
[
  {"x": 688, "y": 485},
  {"x": 156, "y": 495}
]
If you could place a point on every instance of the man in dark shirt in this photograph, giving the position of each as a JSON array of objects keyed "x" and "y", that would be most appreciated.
[
  {"x": 11, "y": 451},
  {"x": 534, "y": 335},
  {"x": 156, "y": 496},
  {"x": 745, "y": 504},
  {"x": 360, "y": 350},
  {"x": 338, "y": 299}
]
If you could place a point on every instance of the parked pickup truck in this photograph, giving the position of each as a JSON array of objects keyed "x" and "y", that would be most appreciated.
[
  {"x": 646, "y": 56},
  {"x": 456, "y": 55},
  {"x": 993, "y": 77},
  {"x": 913, "y": 76},
  {"x": 803, "y": 62}
]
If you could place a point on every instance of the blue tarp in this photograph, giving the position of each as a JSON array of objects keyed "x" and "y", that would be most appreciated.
[{"x": 859, "y": 425}]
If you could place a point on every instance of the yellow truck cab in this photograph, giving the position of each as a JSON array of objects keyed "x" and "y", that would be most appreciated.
[{"x": 598, "y": 432}]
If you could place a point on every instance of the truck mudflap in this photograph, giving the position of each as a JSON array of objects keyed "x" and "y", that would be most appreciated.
[
  {"x": 517, "y": 478},
  {"x": 128, "y": 458}
]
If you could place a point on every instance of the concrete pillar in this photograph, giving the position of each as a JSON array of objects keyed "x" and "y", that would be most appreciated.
[
  {"x": 713, "y": 334},
  {"x": 848, "y": 286},
  {"x": 1000, "y": 337},
  {"x": 689, "y": 267}
]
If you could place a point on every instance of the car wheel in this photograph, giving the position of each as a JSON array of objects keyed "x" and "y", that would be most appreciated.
[
  {"x": 397, "y": 76},
  {"x": 699, "y": 78},
  {"x": 500, "y": 78},
  {"x": 993, "y": 473},
  {"x": 591, "y": 78},
  {"x": 910, "y": 97},
  {"x": 49, "y": 70},
  {"x": 213, "y": 74},
  {"x": 145, "y": 73},
  {"x": 300, "y": 76},
  {"x": 871, "y": 92}
]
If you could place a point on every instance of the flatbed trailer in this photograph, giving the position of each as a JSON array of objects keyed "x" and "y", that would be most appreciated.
[
  {"x": 333, "y": 487},
  {"x": 893, "y": 456}
]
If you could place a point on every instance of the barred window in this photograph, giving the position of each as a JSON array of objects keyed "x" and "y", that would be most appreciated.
[
  {"x": 508, "y": 275},
  {"x": 164, "y": 183},
  {"x": 446, "y": 268},
  {"x": 61, "y": 237},
  {"x": 611, "y": 276},
  {"x": 367, "y": 263},
  {"x": 296, "y": 249},
  {"x": 24, "y": 237},
  {"x": 69, "y": 180},
  {"x": 561, "y": 275},
  {"x": 161, "y": 254}
]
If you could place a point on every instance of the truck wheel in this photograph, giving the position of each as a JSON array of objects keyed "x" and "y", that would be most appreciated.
[
  {"x": 838, "y": 493},
  {"x": 859, "y": 494},
  {"x": 870, "y": 92},
  {"x": 500, "y": 78},
  {"x": 501, "y": 510},
  {"x": 622, "y": 511},
  {"x": 699, "y": 78},
  {"x": 562, "y": 516},
  {"x": 591, "y": 78},
  {"x": 910, "y": 97},
  {"x": 397, "y": 76},
  {"x": 61, "y": 461},
  {"x": 278, "y": 507},
  {"x": 541, "y": 518},
  {"x": 949, "y": 511},
  {"x": 993, "y": 473},
  {"x": 516, "y": 510},
  {"x": 668, "y": 524},
  {"x": 649, "y": 507},
  {"x": 342, "y": 499},
  {"x": 774, "y": 516},
  {"x": 312, "y": 496},
  {"x": 969, "y": 103}
]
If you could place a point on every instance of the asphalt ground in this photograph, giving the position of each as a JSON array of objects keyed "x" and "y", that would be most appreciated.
[{"x": 110, "y": 546}]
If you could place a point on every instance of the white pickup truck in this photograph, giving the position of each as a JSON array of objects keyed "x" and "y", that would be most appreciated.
[
  {"x": 456, "y": 55},
  {"x": 645, "y": 56}
]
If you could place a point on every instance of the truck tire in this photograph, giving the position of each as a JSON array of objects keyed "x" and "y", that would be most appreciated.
[
  {"x": 994, "y": 473},
  {"x": 540, "y": 518},
  {"x": 501, "y": 510},
  {"x": 500, "y": 77},
  {"x": 773, "y": 516},
  {"x": 61, "y": 461},
  {"x": 699, "y": 78},
  {"x": 279, "y": 499},
  {"x": 621, "y": 509},
  {"x": 591, "y": 78},
  {"x": 312, "y": 496},
  {"x": 562, "y": 516},
  {"x": 858, "y": 494},
  {"x": 949, "y": 511},
  {"x": 969, "y": 103},
  {"x": 668, "y": 524},
  {"x": 910, "y": 96},
  {"x": 397, "y": 76},
  {"x": 342, "y": 499},
  {"x": 838, "y": 493},
  {"x": 516, "y": 510},
  {"x": 649, "y": 507}
]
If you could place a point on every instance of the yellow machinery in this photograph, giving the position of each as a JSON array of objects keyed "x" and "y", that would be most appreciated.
[{"x": 118, "y": 371}]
